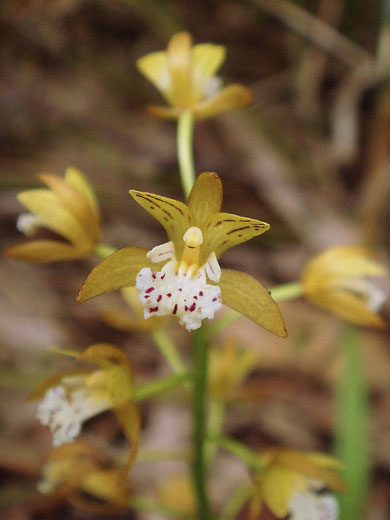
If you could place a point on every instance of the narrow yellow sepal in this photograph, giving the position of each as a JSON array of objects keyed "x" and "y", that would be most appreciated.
[
  {"x": 205, "y": 198},
  {"x": 229, "y": 98}
]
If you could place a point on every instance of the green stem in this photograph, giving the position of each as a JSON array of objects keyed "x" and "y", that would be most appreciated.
[
  {"x": 216, "y": 415},
  {"x": 185, "y": 130},
  {"x": 200, "y": 354},
  {"x": 280, "y": 293},
  {"x": 168, "y": 350},
  {"x": 287, "y": 291},
  {"x": 240, "y": 450},
  {"x": 352, "y": 427},
  {"x": 104, "y": 250},
  {"x": 158, "y": 387}
]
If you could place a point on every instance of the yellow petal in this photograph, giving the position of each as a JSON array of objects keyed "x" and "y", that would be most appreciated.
[
  {"x": 116, "y": 271},
  {"x": 278, "y": 485},
  {"x": 105, "y": 355},
  {"x": 308, "y": 466},
  {"x": 72, "y": 200},
  {"x": 224, "y": 230},
  {"x": 41, "y": 251},
  {"x": 129, "y": 419},
  {"x": 108, "y": 486},
  {"x": 340, "y": 261},
  {"x": 164, "y": 112},
  {"x": 46, "y": 204},
  {"x": 173, "y": 215},
  {"x": 323, "y": 460},
  {"x": 179, "y": 61},
  {"x": 230, "y": 98},
  {"x": 55, "y": 380},
  {"x": 155, "y": 68},
  {"x": 206, "y": 60},
  {"x": 246, "y": 295},
  {"x": 347, "y": 306},
  {"x": 205, "y": 198},
  {"x": 74, "y": 177}
]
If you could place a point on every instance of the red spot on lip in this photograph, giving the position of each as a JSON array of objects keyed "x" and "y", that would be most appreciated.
[
  {"x": 149, "y": 290},
  {"x": 153, "y": 276},
  {"x": 153, "y": 309},
  {"x": 192, "y": 308},
  {"x": 214, "y": 299},
  {"x": 159, "y": 298},
  {"x": 195, "y": 297},
  {"x": 200, "y": 293},
  {"x": 174, "y": 309},
  {"x": 162, "y": 276},
  {"x": 146, "y": 295},
  {"x": 169, "y": 294},
  {"x": 186, "y": 308}
]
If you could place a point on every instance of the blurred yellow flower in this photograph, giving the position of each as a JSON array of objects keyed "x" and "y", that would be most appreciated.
[
  {"x": 185, "y": 76},
  {"x": 68, "y": 208},
  {"x": 338, "y": 280},
  {"x": 85, "y": 477},
  {"x": 178, "y": 285},
  {"x": 71, "y": 398},
  {"x": 229, "y": 365},
  {"x": 290, "y": 482}
]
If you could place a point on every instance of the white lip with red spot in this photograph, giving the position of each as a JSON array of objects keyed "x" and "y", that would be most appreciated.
[
  {"x": 180, "y": 288},
  {"x": 308, "y": 505}
]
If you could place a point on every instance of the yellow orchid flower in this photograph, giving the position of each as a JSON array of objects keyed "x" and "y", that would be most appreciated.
[
  {"x": 290, "y": 482},
  {"x": 229, "y": 366},
  {"x": 77, "y": 471},
  {"x": 338, "y": 280},
  {"x": 172, "y": 278},
  {"x": 68, "y": 208},
  {"x": 71, "y": 398},
  {"x": 185, "y": 76}
]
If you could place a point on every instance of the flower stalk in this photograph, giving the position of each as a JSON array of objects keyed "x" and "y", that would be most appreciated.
[
  {"x": 185, "y": 131},
  {"x": 200, "y": 356}
]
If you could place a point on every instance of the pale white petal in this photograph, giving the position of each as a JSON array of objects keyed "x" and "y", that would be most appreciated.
[
  {"x": 162, "y": 252},
  {"x": 28, "y": 223},
  {"x": 212, "y": 268},
  {"x": 311, "y": 506},
  {"x": 66, "y": 406}
]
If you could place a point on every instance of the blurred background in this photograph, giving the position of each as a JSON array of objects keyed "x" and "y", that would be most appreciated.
[{"x": 310, "y": 156}]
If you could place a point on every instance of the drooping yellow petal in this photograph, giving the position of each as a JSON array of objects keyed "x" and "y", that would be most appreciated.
[
  {"x": 41, "y": 251},
  {"x": 179, "y": 61},
  {"x": 129, "y": 419},
  {"x": 173, "y": 215},
  {"x": 347, "y": 306},
  {"x": 229, "y": 98},
  {"x": 278, "y": 486},
  {"x": 72, "y": 200},
  {"x": 154, "y": 67},
  {"x": 206, "y": 60},
  {"x": 205, "y": 198},
  {"x": 46, "y": 204},
  {"x": 114, "y": 272},
  {"x": 224, "y": 230},
  {"x": 246, "y": 295},
  {"x": 107, "y": 487}
]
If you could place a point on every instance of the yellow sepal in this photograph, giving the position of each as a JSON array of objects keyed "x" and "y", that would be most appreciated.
[
  {"x": 205, "y": 198},
  {"x": 246, "y": 295},
  {"x": 114, "y": 272},
  {"x": 42, "y": 251},
  {"x": 229, "y": 98}
]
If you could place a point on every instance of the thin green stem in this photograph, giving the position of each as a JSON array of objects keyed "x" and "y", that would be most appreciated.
[
  {"x": 216, "y": 415},
  {"x": 158, "y": 387},
  {"x": 200, "y": 355},
  {"x": 287, "y": 291},
  {"x": 168, "y": 350},
  {"x": 104, "y": 250},
  {"x": 280, "y": 293},
  {"x": 240, "y": 450},
  {"x": 185, "y": 131}
]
